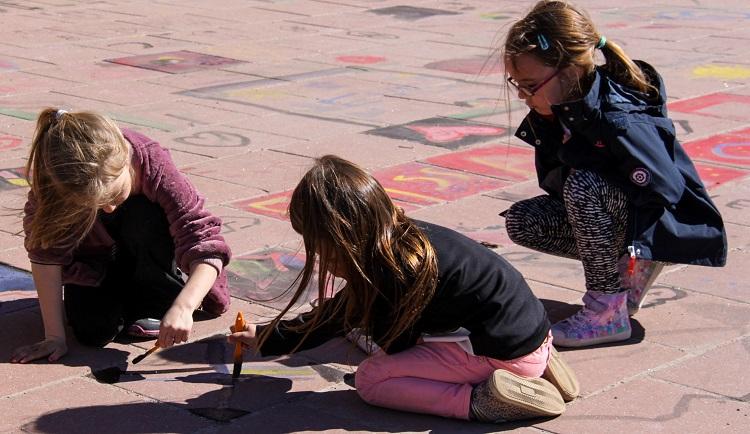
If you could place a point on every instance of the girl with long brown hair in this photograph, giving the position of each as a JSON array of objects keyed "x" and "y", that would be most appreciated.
[
  {"x": 112, "y": 228},
  {"x": 622, "y": 196},
  {"x": 457, "y": 330}
]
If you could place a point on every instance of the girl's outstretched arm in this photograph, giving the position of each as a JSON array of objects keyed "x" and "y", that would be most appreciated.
[
  {"x": 48, "y": 282},
  {"x": 178, "y": 321}
]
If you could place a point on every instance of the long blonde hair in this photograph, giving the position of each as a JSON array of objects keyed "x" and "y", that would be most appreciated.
[
  {"x": 73, "y": 158},
  {"x": 346, "y": 219},
  {"x": 560, "y": 35}
]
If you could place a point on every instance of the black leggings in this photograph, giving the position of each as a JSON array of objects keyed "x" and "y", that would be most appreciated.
[
  {"x": 141, "y": 281},
  {"x": 589, "y": 224}
]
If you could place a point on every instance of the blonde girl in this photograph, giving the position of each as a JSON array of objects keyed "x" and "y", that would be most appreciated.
[{"x": 112, "y": 229}]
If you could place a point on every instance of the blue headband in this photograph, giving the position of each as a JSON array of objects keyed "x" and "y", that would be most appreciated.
[{"x": 602, "y": 43}]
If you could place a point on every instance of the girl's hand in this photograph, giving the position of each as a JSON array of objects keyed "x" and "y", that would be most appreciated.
[
  {"x": 52, "y": 347},
  {"x": 245, "y": 337},
  {"x": 175, "y": 326}
]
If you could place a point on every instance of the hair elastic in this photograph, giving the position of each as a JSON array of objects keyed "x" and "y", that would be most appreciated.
[
  {"x": 602, "y": 43},
  {"x": 543, "y": 44},
  {"x": 59, "y": 114}
]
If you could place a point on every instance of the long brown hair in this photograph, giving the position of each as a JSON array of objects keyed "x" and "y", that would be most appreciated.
[
  {"x": 561, "y": 35},
  {"x": 73, "y": 157},
  {"x": 347, "y": 220}
]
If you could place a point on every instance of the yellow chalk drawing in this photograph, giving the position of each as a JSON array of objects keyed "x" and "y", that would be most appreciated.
[
  {"x": 272, "y": 205},
  {"x": 409, "y": 194},
  {"x": 722, "y": 72}
]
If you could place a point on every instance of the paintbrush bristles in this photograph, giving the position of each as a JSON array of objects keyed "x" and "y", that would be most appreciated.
[{"x": 143, "y": 356}]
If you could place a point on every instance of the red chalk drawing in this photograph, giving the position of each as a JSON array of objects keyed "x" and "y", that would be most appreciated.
[
  {"x": 361, "y": 60},
  {"x": 714, "y": 175},
  {"x": 427, "y": 185},
  {"x": 717, "y": 105},
  {"x": 274, "y": 205},
  {"x": 446, "y": 134},
  {"x": 500, "y": 161},
  {"x": 9, "y": 142},
  {"x": 730, "y": 148}
]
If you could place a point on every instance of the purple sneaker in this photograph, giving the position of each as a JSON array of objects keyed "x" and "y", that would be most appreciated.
[
  {"x": 603, "y": 318},
  {"x": 145, "y": 328}
]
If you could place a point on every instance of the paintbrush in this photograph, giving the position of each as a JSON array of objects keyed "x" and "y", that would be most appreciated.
[
  {"x": 143, "y": 356},
  {"x": 239, "y": 325}
]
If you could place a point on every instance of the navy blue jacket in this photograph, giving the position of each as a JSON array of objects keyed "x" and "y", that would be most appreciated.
[{"x": 626, "y": 136}]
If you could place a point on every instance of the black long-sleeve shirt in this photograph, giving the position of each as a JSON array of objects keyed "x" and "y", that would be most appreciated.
[{"x": 476, "y": 289}]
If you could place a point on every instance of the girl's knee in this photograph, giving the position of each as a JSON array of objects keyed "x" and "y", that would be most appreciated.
[
  {"x": 515, "y": 222},
  {"x": 581, "y": 184},
  {"x": 369, "y": 373}
]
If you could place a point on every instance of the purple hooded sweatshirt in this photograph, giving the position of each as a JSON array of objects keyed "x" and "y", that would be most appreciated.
[{"x": 195, "y": 231}]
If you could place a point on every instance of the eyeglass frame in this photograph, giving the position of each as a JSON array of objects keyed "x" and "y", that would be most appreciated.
[{"x": 531, "y": 92}]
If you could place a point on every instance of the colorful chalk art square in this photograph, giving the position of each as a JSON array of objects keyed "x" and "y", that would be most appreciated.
[
  {"x": 501, "y": 161},
  {"x": 13, "y": 178},
  {"x": 426, "y": 185},
  {"x": 16, "y": 289},
  {"x": 443, "y": 132},
  {"x": 269, "y": 278},
  {"x": 176, "y": 62}
]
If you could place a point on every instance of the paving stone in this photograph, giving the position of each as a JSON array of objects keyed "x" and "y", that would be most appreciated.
[
  {"x": 670, "y": 409},
  {"x": 727, "y": 282},
  {"x": 691, "y": 321},
  {"x": 719, "y": 370},
  {"x": 43, "y": 411},
  {"x": 265, "y": 170}
]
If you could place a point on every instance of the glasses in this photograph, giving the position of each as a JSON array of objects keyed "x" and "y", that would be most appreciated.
[{"x": 529, "y": 92}]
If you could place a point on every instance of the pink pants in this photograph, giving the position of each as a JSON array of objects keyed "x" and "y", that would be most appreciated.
[{"x": 436, "y": 377}]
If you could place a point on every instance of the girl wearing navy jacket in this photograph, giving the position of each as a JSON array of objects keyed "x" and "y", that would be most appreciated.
[{"x": 623, "y": 197}]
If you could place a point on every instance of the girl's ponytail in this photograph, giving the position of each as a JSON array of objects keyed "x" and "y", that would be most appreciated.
[{"x": 622, "y": 67}]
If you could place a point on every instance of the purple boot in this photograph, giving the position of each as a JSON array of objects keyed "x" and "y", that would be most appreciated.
[{"x": 603, "y": 318}]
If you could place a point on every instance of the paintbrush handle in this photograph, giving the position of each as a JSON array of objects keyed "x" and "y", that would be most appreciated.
[{"x": 144, "y": 355}]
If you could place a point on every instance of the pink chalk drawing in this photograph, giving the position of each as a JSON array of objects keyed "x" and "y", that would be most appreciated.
[
  {"x": 9, "y": 142},
  {"x": 713, "y": 176},
  {"x": 361, "y": 60},
  {"x": 716, "y": 105},
  {"x": 446, "y": 134}
]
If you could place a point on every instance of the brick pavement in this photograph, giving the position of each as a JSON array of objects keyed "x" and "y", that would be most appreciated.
[{"x": 245, "y": 92}]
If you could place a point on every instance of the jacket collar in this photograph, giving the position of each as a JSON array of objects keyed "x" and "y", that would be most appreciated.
[{"x": 579, "y": 113}]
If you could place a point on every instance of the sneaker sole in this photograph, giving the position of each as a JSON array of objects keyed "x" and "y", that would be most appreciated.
[
  {"x": 575, "y": 343},
  {"x": 633, "y": 308},
  {"x": 562, "y": 376},
  {"x": 140, "y": 332},
  {"x": 536, "y": 397}
]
